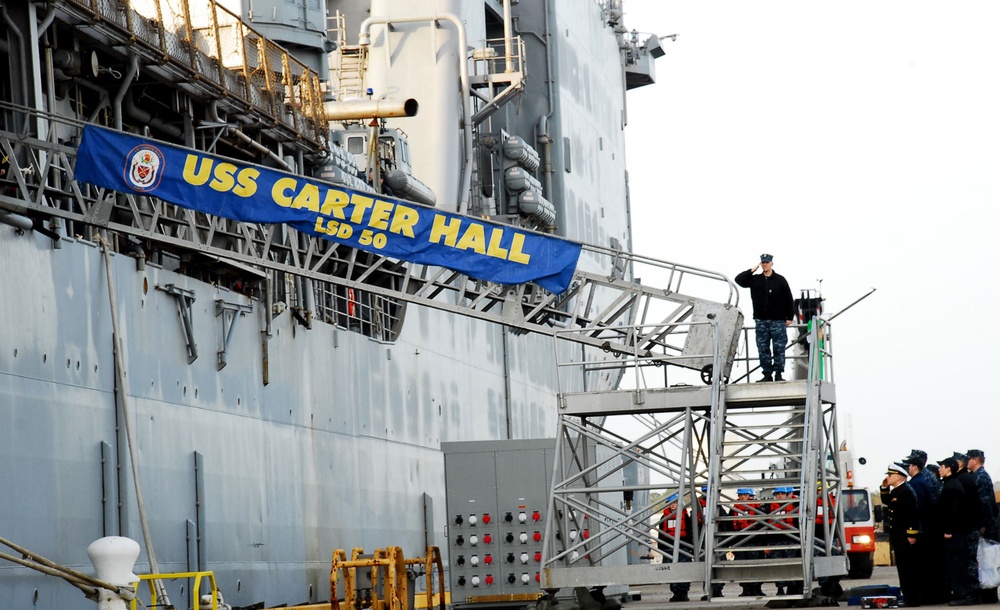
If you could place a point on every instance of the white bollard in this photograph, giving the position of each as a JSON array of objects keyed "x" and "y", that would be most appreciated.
[{"x": 113, "y": 558}]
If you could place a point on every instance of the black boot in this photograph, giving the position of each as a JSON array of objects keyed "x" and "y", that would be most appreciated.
[
  {"x": 766, "y": 377},
  {"x": 777, "y": 376}
]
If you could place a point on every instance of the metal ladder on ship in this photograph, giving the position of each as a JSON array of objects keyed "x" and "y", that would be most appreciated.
[
  {"x": 349, "y": 75},
  {"x": 723, "y": 437}
]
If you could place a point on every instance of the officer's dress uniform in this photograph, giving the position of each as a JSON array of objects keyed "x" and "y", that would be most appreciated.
[{"x": 903, "y": 522}]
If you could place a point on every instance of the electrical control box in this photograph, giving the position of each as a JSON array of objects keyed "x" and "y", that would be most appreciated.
[{"x": 497, "y": 495}]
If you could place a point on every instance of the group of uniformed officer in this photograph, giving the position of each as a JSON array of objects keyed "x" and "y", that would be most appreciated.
[{"x": 936, "y": 515}]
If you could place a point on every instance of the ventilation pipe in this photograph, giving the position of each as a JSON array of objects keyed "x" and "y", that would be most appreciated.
[
  {"x": 542, "y": 136},
  {"x": 147, "y": 118},
  {"x": 213, "y": 115},
  {"x": 133, "y": 70},
  {"x": 364, "y": 39},
  {"x": 508, "y": 40}
]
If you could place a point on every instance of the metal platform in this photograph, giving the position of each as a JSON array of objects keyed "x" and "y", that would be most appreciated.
[
  {"x": 702, "y": 443},
  {"x": 659, "y": 400}
]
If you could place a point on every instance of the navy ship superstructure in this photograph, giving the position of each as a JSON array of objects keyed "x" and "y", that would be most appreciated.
[{"x": 287, "y": 397}]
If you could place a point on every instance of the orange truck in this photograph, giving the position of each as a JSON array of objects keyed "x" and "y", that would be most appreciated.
[{"x": 859, "y": 521}]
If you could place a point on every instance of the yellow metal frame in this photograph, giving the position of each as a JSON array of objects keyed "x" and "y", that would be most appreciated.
[
  {"x": 396, "y": 583},
  {"x": 151, "y": 579}
]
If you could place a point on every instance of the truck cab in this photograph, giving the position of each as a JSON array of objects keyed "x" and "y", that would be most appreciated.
[{"x": 859, "y": 531}]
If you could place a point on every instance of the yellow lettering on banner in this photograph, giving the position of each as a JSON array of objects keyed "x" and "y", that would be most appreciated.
[
  {"x": 246, "y": 182},
  {"x": 445, "y": 229},
  {"x": 307, "y": 198},
  {"x": 517, "y": 254},
  {"x": 279, "y": 192},
  {"x": 473, "y": 239},
  {"x": 494, "y": 248},
  {"x": 224, "y": 177},
  {"x": 403, "y": 221},
  {"x": 333, "y": 228},
  {"x": 380, "y": 215},
  {"x": 224, "y": 180},
  {"x": 197, "y": 171},
  {"x": 361, "y": 205},
  {"x": 334, "y": 204}
]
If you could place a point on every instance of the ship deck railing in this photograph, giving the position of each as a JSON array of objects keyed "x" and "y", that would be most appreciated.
[{"x": 209, "y": 51}]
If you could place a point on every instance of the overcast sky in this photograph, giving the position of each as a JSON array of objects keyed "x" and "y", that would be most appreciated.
[{"x": 859, "y": 143}]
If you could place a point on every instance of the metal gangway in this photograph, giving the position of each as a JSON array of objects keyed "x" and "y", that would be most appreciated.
[
  {"x": 41, "y": 194},
  {"x": 702, "y": 443},
  {"x": 280, "y": 98}
]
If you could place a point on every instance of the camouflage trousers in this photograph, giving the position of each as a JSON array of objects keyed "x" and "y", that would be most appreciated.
[{"x": 771, "y": 332}]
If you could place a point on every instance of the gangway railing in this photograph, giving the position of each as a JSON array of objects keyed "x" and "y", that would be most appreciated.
[
  {"x": 702, "y": 443},
  {"x": 745, "y": 364},
  {"x": 41, "y": 189}
]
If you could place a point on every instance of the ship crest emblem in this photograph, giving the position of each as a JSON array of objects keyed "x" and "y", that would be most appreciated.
[{"x": 145, "y": 167}]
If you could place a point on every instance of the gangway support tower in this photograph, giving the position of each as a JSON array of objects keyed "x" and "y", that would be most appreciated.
[{"x": 717, "y": 438}]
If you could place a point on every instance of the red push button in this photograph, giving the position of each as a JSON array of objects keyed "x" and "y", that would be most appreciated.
[{"x": 537, "y": 537}]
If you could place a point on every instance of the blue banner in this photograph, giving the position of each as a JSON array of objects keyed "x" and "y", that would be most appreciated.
[{"x": 382, "y": 225}]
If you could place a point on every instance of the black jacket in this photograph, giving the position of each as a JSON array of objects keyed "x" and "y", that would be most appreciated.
[
  {"x": 771, "y": 296},
  {"x": 958, "y": 513},
  {"x": 973, "y": 507}
]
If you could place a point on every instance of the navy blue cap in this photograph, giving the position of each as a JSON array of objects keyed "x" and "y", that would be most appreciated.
[
  {"x": 950, "y": 462},
  {"x": 766, "y": 258}
]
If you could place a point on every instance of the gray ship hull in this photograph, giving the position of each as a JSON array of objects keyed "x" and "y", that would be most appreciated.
[
  {"x": 308, "y": 439},
  {"x": 338, "y": 450}
]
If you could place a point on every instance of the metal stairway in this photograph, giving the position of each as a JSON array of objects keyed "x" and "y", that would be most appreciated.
[
  {"x": 721, "y": 438},
  {"x": 349, "y": 76}
]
